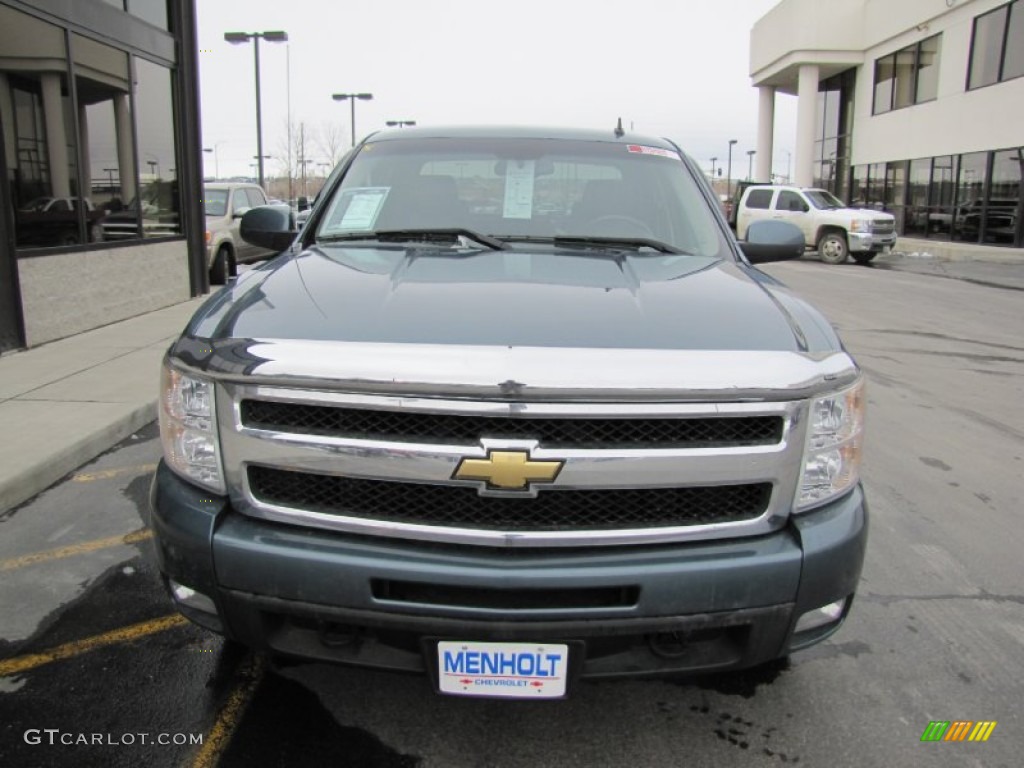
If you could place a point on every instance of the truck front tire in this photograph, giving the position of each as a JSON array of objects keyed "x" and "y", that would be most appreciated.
[{"x": 832, "y": 248}]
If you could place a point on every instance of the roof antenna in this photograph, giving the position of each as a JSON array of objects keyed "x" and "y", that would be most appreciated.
[{"x": 619, "y": 133}]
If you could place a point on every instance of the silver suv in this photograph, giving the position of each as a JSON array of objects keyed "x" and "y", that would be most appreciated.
[{"x": 225, "y": 203}]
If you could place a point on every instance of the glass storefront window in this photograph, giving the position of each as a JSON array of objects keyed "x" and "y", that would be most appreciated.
[
  {"x": 1003, "y": 205},
  {"x": 895, "y": 192},
  {"x": 941, "y": 195},
  {"x": 159, "y": 195},
  {"x": 102, "y": 85},
  {"x": 916, "y": 221},
  {"x": 859, "y": 192},
  {"x": 970, "y": 196},
  {"x": 38, "y": 126}
]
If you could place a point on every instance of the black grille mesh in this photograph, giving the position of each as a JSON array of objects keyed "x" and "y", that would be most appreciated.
[
  {"x": 558, "y": 432},
  {"x": 551, "y": 510}
]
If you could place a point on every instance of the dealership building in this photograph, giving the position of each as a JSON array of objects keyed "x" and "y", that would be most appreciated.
[
  {"x": 100, "y": 207},
  {"x": 915, "y": 107}
]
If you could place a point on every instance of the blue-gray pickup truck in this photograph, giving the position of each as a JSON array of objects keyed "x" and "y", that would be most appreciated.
[{"x": 513, "y": 410}]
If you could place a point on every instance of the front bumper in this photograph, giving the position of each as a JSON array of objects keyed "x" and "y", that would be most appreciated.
[
  {"x": 626, "y": 610},
  {"x": 870, "y": 242}
]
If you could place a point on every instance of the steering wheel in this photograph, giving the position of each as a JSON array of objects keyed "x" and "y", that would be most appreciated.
[{"x": 614, "y": 224}]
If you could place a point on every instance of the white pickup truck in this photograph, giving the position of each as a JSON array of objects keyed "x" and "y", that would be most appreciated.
[{"x": 828, "y": 225}]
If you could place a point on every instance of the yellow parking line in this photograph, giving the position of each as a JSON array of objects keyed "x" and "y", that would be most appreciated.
[
  {"x": 75, "y": 549},
  {"x": 250, "y": 672},
  {"x": 24, "y": 663},
  {"x": 105, "y": 474}
]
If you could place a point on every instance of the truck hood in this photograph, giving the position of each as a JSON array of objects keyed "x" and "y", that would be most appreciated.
[{"x": 516, "y": 298}]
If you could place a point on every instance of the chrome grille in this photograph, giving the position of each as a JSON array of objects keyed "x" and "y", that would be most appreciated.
[
  {"x": 883, "y": 227},
  {"x": 460, "y": 507},
  {"x": 632, "y": 473},
  {"x": 549, "y": 432}
]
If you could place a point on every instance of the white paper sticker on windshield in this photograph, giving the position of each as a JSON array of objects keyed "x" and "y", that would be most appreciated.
[
  {"x": 518, "y": 190},
  {"x": 364, "y": 205},
  {"x": 642, "y": 150}
]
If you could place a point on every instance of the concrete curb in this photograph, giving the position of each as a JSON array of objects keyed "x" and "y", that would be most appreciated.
[{"x": 22, "y": 486}]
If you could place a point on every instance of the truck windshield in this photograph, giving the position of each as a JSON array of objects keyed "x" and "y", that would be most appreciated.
[
  {"x": 527, "y": 191},
  {"x": 823, "y": 200}
]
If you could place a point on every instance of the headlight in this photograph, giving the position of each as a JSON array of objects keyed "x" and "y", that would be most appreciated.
[
  {"x": 835, "y": 442},
  {"x": 188, "y": 428},
  {"x": 860, "y": 225}
]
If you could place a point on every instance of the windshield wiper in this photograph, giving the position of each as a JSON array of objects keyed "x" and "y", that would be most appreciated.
[
  {"x": 573, "y": 241},
  {"x": 443, "y": 234}
]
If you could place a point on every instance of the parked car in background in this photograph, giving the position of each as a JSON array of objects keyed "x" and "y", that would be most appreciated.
[
  {"x": 54, "y": 221},
  {"x": 225, "y": 203},
  {"x": 828, "y": 224}
]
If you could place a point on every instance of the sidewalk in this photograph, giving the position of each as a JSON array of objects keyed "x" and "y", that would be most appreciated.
[{"x": 66, "y": 402}]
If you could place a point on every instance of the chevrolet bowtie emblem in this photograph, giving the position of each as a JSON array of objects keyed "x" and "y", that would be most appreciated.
[{"x": 508, "y": 470}]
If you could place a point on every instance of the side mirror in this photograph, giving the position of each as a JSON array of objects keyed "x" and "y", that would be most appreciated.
[
  {"x": 269, "y": 226},
  {"x": 772, "y": 241}
]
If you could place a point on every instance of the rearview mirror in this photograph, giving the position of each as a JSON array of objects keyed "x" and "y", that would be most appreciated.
[
  {"x": 269, "y": 226},
  {"x": 772, "y": 241}
]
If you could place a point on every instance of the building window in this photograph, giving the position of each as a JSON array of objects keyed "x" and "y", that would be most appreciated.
[
  {"x": 997, "y": 46},
  {"x": 907, "y": 77},
  {"x": 1003, "y": 204},
  {"x": 158, "y": 186},
  {"x": 153, "y": 11},
  {"x": 103, "y": 85},
  {"x": 833, "y": 132},
  {"x": 38, "y": 125}
]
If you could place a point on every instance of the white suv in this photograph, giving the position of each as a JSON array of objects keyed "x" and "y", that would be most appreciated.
[{"x": 225, "y": 202}]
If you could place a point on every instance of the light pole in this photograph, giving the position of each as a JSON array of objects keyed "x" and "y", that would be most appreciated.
[
  {"x": 750, "y": 162},
  {"x": 216, "y": 158},
  {"x": 399, "y": 123},
  {"x": 728, "y": 173},
  {"x": 153, "y": 164},
  {"x": 236, "y": 38},
  {"x": 351, "y": 97},
  {"x": 713, "y": 161}
]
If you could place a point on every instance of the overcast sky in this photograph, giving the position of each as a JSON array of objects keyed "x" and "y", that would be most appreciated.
[{"x": 675, "y": 69}]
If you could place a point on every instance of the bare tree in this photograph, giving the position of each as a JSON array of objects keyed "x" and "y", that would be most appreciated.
[{"x": 331, "y": 141}]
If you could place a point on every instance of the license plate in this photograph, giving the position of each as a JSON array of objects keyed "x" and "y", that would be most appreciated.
[{"x": 512, "y": 670}]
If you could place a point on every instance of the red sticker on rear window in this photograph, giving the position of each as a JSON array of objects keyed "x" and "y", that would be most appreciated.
[{"x": 642, "y": 150}]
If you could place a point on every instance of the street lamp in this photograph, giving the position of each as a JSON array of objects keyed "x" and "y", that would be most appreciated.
[
  {"x": 153, "y": 164},
  {"x": 216, "y": 158},
  {"x": 351, "y": 97},
  {"x": 399, "y": 123},
  {"x": 713, "y": 161},
  {"x": 728, "y": 173},
  {"x": 750, "y": 162},
  {"x": 236, "y": 38}
]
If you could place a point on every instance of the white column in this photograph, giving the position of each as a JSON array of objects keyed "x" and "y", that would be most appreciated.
[
  {"x": 56, "y": 136},
  {"x": 765, "y": 132},
  {"x": 807, "y": 98},
  {"x": 123, "y": 126}
]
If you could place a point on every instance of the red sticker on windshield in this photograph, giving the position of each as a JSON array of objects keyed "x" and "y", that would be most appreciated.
[{"x": 642, "y": 150}]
